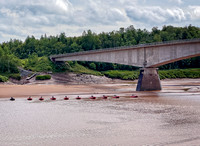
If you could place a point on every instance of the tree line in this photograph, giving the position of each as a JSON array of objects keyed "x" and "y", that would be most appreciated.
[{"x": 13, "y": 51}]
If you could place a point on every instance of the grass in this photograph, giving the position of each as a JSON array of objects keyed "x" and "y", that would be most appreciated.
[
  {"x": 77, "y": 68},
  {"x": 38, "y": 64},
  {"x": 3, "y": 78},
  {"x": 11, "y": 75},
  {"x": 122, "y": 74}
]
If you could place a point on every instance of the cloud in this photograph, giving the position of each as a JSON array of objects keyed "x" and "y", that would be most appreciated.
[
  {"x": 98, "y": 12},
  {"x": 156, "y": 15},
  {"x": 36, "y": 17},
  {"x": 63, "y": 4},
  {"x": 176, "y": 1},
  {"x": 194, "y": 12},
  {"x": 62, "y": 12},
  {"x": 38, "y": 14},
  {"x": 9, "y": 13}
]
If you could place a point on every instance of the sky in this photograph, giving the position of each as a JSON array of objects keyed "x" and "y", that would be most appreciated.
[{"x": 22, "y": 18}]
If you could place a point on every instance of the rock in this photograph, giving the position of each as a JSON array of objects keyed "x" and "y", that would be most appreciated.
[{"x": 195, "y": 89}]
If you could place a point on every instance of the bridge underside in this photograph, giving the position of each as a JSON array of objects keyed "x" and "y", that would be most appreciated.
[{"x": 147, "y": 56}]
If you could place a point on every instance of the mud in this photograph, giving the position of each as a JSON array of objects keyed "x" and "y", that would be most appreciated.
[{"x": 170, "y": 117}]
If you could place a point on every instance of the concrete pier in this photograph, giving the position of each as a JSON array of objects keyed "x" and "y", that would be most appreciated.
[{"x": 149, "y": 80}]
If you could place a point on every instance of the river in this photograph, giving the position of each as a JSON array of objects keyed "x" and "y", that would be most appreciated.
[{"x": 159, "y": 118}]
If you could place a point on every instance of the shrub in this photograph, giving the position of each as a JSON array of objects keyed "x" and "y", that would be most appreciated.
[
  {"x": 15, "y": 76},
  {"x": 3, "y": 79},
  {"x": 122, "y": 74},
  {"x": 43, "y": 77},
  {"x": 179, "y": 73},
  {"x": 92, "y": 66},
  {"x": 39, "y": 64},
  {"x": 170, "y": 74}
]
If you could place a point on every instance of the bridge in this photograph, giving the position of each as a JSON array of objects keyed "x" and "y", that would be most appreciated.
[{"x": 147, "y": 56}]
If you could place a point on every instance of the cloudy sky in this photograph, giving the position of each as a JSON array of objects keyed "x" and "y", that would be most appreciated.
[{"x": 20, "y": 18}]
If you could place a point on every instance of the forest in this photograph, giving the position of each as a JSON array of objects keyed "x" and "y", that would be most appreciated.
[{"x": 33, "y": 53}]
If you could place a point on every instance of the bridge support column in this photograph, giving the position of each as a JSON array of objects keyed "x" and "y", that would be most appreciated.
[{"x": 149, "y": 80}]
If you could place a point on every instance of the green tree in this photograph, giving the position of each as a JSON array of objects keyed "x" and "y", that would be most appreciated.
[{"x": 75, "y": 47}]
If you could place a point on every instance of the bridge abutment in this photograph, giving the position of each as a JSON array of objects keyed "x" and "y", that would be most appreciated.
[{"x": 149, "y": 80}]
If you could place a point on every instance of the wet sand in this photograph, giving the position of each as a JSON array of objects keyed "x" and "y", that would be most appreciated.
[
  {"x": 119, "y": 87},
  {"x": 41, "y": 90}
]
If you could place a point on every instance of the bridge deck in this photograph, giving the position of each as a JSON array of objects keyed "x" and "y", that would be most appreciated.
[
  {"x": 142, "y": 55},
  {"x": 156, "y": 44}
]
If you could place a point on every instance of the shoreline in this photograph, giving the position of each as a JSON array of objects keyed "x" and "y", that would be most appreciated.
[{"x": 115, "y": 87}]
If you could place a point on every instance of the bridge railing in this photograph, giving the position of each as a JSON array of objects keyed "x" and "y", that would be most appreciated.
[{"x": 128, "y": 47}]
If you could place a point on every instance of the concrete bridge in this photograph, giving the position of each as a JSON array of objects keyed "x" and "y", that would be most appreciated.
[{"x": 148, "y": 56}]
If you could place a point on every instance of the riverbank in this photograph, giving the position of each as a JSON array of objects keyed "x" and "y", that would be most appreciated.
[{"x": 120, "y": 87}]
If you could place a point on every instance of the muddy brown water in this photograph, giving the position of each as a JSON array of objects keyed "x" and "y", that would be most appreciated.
[{"x": 167, "y": 117}]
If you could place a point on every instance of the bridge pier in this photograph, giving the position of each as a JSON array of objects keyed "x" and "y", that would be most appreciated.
[{"x": 149, "y": 80}]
